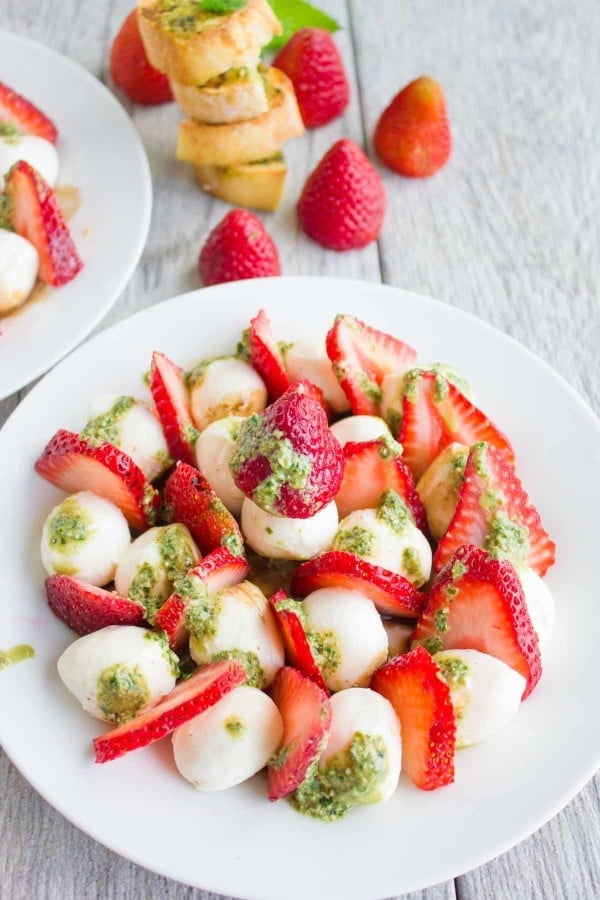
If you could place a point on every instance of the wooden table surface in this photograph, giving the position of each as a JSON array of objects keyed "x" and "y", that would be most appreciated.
[{"x": 509, "y": 230}]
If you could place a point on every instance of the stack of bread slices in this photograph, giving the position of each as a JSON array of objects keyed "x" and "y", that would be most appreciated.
[{"x": 239, "y": 112}]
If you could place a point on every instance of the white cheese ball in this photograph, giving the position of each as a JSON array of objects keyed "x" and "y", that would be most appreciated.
[
  {"x": 439, "y": 487},
  {"x": 307, "y": 359},
  {"x": 281, "y": 538},
  {"x": 85, "y": 536},
  {"x": 38, "y": 152},
  {"x": 485, "y": 693},
  {"x": 214, "y": 449},
  {"x": 225, "y": 387},
  {"x": 229, "y": 742},
  {"x": 346, "y": 630},
  {"x": 540, "y": 604},
  {"x": 399, "y": 635},
  {"x": 119, "y": 671},
  {"x": 243, "y": 626},
  {"x": 19, "y": 264},
  {"x": 359, "y": 428}
]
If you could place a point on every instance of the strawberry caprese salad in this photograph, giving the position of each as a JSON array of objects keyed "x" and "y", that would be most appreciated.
[{"x": 314, "y": 557}]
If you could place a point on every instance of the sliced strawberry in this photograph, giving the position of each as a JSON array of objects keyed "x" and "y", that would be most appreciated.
[
  {"x": 392, "y": 594},
  {"x": 27, "y": 118},
  {"x": 306, "y": 713},
  {"x": 190, "y": 698},
  {"x": 494, "y": 512},
  {"x": 414, "y": 685},
  {"x": 172, "y": 402},
  {"x": 297, "y": 645},
  {"x": 266, "y": 357},
  {"x": 362, "y": 357},
  {"x": 37, "y": 217},
  {"x": 73, "y": 464},
  {"x": 86, "y": 608},
  {"x": 478, "y": 603}
]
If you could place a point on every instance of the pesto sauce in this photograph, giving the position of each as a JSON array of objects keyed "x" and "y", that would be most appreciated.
[
  {"x": 326, "y": 650},
  {"x": 171, "y": 658},
  {"x": 68, "y": 526},
  {"x": 454, "y": 670},
  {"x": 144, "y": 589},
  {"x": 243, "y": 350},
  {"x": 107, "y": 426},
  {"x": 255, "y": 674},
  {"x": 234, "y": 543},
  {"x": 6, "y": 212},
  {"x": 186, "y": 18},
  {"x": 440, "y": 620},
  {"x": 411, "y": 564},
  {"x": 152, "y": 584},
  {"x": 392, "y": 510},
  {"x": 176, "y": 552},
  {"x": 16, "y": 654},
  {"x": 235, "y": 727},
  {"x": 394, "y": 420},
  {"x": 202, "y": 609},
  {"x": 433, "y": 644},
  {"x": 450, "y": 374},
  {"x": 121, "y": 692},
  {"x": 356, "y": 540},
  {"x": 506, "y": 539}
]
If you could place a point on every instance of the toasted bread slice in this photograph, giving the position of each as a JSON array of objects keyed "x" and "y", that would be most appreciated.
[
  {"x": 193, "y": 46},
  {"x": 234, "y": 96},
  {"x": 258, "y": 138},
  {"x": 259, "y": 185}
]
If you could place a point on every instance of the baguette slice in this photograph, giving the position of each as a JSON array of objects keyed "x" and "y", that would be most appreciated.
[
  {"x": 234, "y": 96},
  {"x": 192, "y": 46},
  {"x": 259, "y": 185},
  {"x": 258, "y": 138}
]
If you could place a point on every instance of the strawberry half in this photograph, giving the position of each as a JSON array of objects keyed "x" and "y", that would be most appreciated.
[
  {"x": 494, "y": 512},
  {"x": 306, "y": 713},
  {"x": 72, "y": 464},
  {"x": 37, "y": 217},
  {"x": 27, "y": 118},
  {"x": 297, "y": 645},
  {"x": 392, "y": 594},
  {"x": 362, "y": 356},
  {"x": 86, "y": 608},
  {"x": 172, "y": 401},
  {"x": 478, "y": 603},
  {"x": 414, "y": 685},
  {"x": 266, "y": 357},
  {"x": 190, "y": 698}
]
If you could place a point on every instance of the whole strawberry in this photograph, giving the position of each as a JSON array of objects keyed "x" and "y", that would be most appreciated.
[
  {"x": 239, "y": 247},
  {"x": 313, "y": 63},
  {"x": 413, "y": 134},
  {"x": 343, "y": 202},
  {"x": 130, "y": 69}
]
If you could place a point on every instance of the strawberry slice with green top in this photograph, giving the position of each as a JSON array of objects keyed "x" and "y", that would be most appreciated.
[
  {"x": 265, "y": 356},
  {"x": 494, "y": 512},
  {"x": 300, "y": 653},
  {"x": 86, "y": 608},
  {"x": 362, "y": 356},
  {"x": 172, "y": 401},
  {"x": 26, "y": 118}
]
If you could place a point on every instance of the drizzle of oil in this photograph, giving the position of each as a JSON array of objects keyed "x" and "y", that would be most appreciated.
[
  {"x": 15, "y": 655},
  {"x": 270, "y": 575}
]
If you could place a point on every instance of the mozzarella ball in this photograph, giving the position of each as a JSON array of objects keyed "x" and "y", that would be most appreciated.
[
  {"x": 214, "y": 449},
  {"x": 119, "y": 671},
  {"x": 85, "y": 536},
  {"x": 399, "y": 635},
  {"x": 38, "y": 152},
  {"x": 281, "y": 538},
  {"x": 19, "y": 264},
  {"x": 540, "y": 604},
  {"x": 485, "y": 693},
  {"x": 229, "y": 742},
  {"x": 359, "y": 428},
  {"x": 439, "y": 487},
  {"x": 307, "y": 358},
  {"x": 347, "y": 636},
  {"x": 225, "y": 387},
  {"x": 240, "y": 624}
]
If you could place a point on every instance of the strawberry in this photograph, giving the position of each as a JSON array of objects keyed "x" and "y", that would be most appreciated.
[
  {"x": 436, "y": 413},
  {"x": 87, "y": 608},
  {"x": 286, "y": 459},
  {"x": 24, "y": 116},
  {"x": 392, "y": 594},
  {"x": 72, "y": 464},
  {"x": 297, "y": 645},
  {"x": 343, "y": 201},
  {"x": 172, "y": 402},
  {"x": 312, "y": 62},
  {"x": 477, "y": 603},
  {"x": 191, "y": 501},
  {"x": 190, "y": 698},
  {"x": 36, "y": 216},
  {"x": 266, "y": 357},
  {"x": 130, "y": 69},
  {"x": 306, "y": 713},
  {"x": 414, "y": 685},
  {"x": 493, "y": 511},
  {"x": 362, "y": 356},
  {"x": 218, "y": 570},
  {"x": 238, "y": 247},
  {"x": 413, "y": 135},
  {"x": 308, "y": 389}
]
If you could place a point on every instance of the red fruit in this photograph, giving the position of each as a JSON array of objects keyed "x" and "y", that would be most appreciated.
[
  {"x": 266, "y": 357},
  {"x": 303, "y": 386},
  {"x": 362, "y": 356},
  {"x": 343, "y": 201},
  {"x": 286, "y": 459},
  {"x": 36, "y": 216},
  {"x": 239, "y": 247},
  {"x": 130, "y": 69},
  {"x": 413, "y": 135},
  {"x": 73, "y": 464},
  {"x": 312, "y": 62},
  {"x": 86, "y": 608},
  {"x": 190, "y": 698},
  {"x": 297, "y": 645},
  {"x": 306, "y": 713},
  {"x": 494, "y": 512},
  {"x": 414, "y": 685},
  {"x": 26, "y": 118},
  {"x": 172, "y": 402},
  {"x": 477, "y": 603}
]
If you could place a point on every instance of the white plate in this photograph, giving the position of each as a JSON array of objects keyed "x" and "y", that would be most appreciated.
[
  {"x": 102, "y": 156},
  {"x": 235, "y": 842}
]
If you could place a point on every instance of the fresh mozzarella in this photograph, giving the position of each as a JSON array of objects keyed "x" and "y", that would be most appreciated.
[
  {"x": 307, "y": 358},
  {"x": 85, "y": 536},
  {"x": 540, "y": 604},
  {"x": 225, "y": 387},
  {"x": 39, "y": 153},
  {"x": 230, "y": 742},
  {"x": 119, "y": 671},
  {"x": 399, "y": 635},
  {"x": 214, "y": 449},
  {"x": 439, "y": 487},
  {"x": 280, "y": 538},
  {"x": 360, "y": 428},
  {"x": 19, "y": 264}
]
